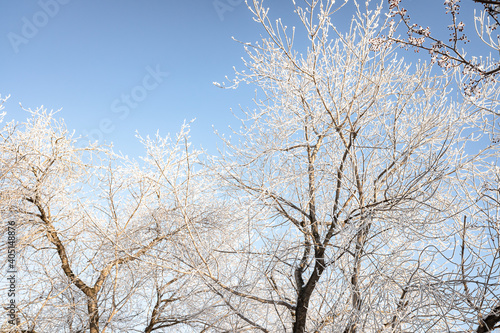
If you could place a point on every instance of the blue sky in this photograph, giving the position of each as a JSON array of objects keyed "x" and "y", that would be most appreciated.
[{"x": 118, "y": 66}]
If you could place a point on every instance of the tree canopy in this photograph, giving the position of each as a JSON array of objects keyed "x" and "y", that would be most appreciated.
[{"x": 360, "y": 194}]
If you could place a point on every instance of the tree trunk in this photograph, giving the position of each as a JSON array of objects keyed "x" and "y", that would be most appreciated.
[
  {"x": 305, "y": 293},
  {"x": 488, "y": 324},
  {"x": 93, "y": 311}
]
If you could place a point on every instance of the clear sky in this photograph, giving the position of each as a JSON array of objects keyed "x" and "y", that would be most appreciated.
[{"x": 118, "y": 66}]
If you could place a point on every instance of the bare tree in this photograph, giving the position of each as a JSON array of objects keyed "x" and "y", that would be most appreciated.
[
  {"x": 344, "y": 167},
  {"x": 354, "y": 198},
  {"x": 474, "y": 281},
  {"x": 451, "y": 52},
  {"x": 99, "y": 234}
]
